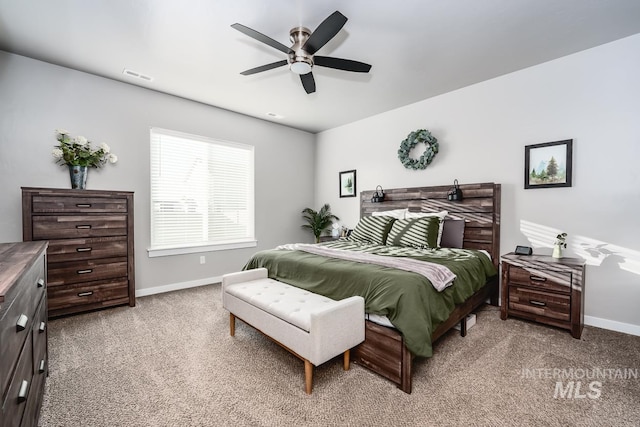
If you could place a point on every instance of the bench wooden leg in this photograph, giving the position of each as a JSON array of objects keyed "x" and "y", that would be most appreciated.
[
  {"x": 346, "y": 359},
  {"x": 232, "y": 325},
  {"x": 308, "y": 376}
]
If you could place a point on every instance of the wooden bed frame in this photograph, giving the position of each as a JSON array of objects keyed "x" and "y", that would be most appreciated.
[{"x": 383, "y": 350}]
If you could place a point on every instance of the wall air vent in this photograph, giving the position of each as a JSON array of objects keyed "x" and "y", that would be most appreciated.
[{"x": 137, "y": 75}]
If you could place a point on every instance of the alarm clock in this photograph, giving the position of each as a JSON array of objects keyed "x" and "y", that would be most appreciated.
[{"x": 523, "y": 250}]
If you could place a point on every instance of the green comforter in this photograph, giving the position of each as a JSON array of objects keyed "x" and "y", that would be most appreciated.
[{"x": 407, "y": 299}]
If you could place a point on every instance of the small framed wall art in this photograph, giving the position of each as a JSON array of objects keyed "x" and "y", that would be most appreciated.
[
  {"x": 548, "y": 165},
  {"x": 347, "y": 183}
]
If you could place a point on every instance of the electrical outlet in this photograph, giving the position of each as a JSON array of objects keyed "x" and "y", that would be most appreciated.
[{"x": 202, "y": 259}]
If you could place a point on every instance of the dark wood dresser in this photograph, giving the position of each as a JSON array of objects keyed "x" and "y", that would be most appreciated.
[
  {"x": 544, "y": 289},
  {"x": 23, "y": 332},
  {"x": 90, "y": 260}
]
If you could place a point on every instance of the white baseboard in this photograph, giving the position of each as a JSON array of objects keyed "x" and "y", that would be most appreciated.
[
  {"x": 612, "y": 325},
  {"x": 177, "y": 286}
]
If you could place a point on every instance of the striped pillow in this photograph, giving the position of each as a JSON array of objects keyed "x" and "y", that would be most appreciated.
[
  {"x": 372, "y": 229},
  {"x": 441, "y": 215},
  {"x": 415, "y": 232}
]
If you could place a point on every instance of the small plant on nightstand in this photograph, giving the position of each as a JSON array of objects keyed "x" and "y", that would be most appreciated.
[
  {"x": 318, "y": 221},
  {"x": 560, "y": 244}
]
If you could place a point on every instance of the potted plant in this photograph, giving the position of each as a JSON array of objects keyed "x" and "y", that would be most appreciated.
[
  {"x": 318, "y": 221},
  {"x": 78, "y": 155},
  {"x": 559, "y": 245}
]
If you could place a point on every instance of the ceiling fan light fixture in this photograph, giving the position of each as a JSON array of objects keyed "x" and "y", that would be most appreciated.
[{"x": 300, "y": 67}]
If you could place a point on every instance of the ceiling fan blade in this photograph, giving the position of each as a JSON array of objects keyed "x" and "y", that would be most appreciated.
[
  {"x": 308, "y": 82},
  {"x": 342, "y": 64},
  {"x": 325, "y": 32},
  {"x": 261, "y": 37},
  {"x": 264, "y": 67}
]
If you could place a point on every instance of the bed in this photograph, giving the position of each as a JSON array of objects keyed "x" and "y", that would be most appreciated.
[{"x": 407, "y": 313}]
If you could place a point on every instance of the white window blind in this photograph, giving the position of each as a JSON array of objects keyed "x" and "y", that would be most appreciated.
[{"x": 202, "y": 195}]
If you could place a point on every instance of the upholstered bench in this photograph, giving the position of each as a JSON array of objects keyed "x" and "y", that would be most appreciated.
[{"x": 312, "y": 327}]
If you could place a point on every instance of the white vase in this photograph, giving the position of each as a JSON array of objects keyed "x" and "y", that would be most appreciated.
[{"x": 557, "y": 251}]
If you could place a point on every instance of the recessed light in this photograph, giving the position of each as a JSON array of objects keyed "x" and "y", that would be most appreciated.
[
  {"x": 137, "y": 75},
  {"x": 274, "y": 115}
]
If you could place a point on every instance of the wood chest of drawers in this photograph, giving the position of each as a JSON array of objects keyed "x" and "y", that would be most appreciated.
[
  {"x": 90, "y": 260},
  {"x": 23, "y": 332},
  {"x": 544, "y": 289}
]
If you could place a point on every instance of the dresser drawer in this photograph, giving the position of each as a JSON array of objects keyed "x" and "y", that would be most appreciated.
[
  {"x": 64, "y": 273},
  {"x": 57, "y": 204},
  {"x": 89, "y": 248},
  {"x": 540, "y": 303},
  {"x": 19, "y": 388},
  {"x": 16, "y": 323},
  {"x": 547, "y": 279},
  {"x": 73, "y": 226},
  {"x": 36, "y": 388},
  {"x": 95, "y": 295},
  {"x": 39, "y": 333}
]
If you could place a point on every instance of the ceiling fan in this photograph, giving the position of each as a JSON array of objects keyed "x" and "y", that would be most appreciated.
[{"x": 301, "y": 55}]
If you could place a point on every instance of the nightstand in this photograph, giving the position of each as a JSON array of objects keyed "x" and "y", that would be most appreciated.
[{"x": 544, "y": 289}]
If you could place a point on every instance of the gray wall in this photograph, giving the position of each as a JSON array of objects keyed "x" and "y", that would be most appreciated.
[
  {"x": 36, "y": 98},
  {"x": 591, "y": 97}
]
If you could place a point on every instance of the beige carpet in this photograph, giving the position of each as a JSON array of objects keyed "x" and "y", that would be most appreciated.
[{"x": 170, "y": 361}]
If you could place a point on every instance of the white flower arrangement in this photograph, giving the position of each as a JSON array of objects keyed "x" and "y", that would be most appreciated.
[
  {"x": 561, "y": 240},
  {"x": 77, "y": 151}
]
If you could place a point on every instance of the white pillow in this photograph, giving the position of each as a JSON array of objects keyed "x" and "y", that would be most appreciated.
[
  {"x": 395, "y": 213},
  {"x": 441, "y": 215}
]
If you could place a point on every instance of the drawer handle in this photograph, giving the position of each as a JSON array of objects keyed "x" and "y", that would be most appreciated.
[
  {"x": 40, "y": 283},
  {"x": 42, "y": 326},
  {"x": 83, "y": 205},
  {"x": 538, "y": 303},
  {"x": 537, "y": 279},
  {"x": 85, "y": 294},
  {"x": 83, "y": 227},
  {"x": 24, "y": 389},
  {"x": 41, "y": 367},
  {"x": 83, "y": 249},
  {"x": 89, "y": 270},
  {"x": 21, "y": 324}
]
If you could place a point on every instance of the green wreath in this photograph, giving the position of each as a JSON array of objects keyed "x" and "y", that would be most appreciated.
[{"x": 415, "y": 138}]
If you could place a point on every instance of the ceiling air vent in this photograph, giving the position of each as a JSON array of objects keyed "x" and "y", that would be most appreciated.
[{"x": 137, "y": 75}]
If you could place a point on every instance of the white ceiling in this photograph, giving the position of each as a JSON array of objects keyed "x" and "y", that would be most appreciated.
[{"x": 417, "y": 48}]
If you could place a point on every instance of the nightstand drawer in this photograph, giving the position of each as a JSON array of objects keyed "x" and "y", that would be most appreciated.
[
  {"x": 547, "y": 279},
  {"x": 540, "y": 303}
]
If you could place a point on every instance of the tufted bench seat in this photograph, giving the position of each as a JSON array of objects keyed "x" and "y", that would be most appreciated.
[{"x": 312, "y": 327}]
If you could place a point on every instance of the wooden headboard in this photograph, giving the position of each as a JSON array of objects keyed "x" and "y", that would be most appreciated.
[{"x": 480, "y": 209}]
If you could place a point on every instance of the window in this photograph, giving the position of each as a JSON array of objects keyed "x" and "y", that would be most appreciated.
[{"x": 201, "y": 194}]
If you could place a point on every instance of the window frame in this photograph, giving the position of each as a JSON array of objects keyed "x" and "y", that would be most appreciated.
[{"x": 181, "y": 249}]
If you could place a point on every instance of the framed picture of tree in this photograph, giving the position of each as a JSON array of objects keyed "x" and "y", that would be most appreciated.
[
  {"x": 548, "y": 165},
  {"x": 348, "y": 183}
]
